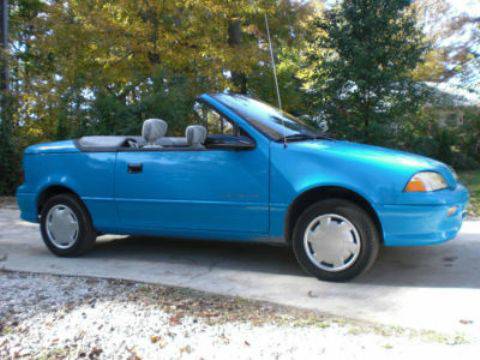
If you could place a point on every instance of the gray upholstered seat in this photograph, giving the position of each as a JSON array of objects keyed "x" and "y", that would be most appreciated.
[
  {"x": 152, "y": 131},
  {"x": 172, "y": 141},
  {"x": 153, "y": 136},
  {"x": 196, "y": 136}
]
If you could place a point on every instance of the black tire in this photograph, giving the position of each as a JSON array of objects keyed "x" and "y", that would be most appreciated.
[
  {"x": 86, "y": 233},
  {"x": 359, "y": 218}
]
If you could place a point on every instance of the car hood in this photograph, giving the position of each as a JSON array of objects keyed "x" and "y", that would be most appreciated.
[
  {"x": 370, "y": 153},
  {"x": 374, "y": 157}
]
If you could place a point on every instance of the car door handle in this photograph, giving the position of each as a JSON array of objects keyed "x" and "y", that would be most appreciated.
[{"x": 135, "y": 168}]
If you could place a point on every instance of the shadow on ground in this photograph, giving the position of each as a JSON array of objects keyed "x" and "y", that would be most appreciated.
[{"x": 453, "y": 264}]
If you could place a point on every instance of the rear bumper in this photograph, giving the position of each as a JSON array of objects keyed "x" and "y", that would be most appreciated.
[
  {"x": 27, "y": 205},
  {"x": 414, "y": 225}
]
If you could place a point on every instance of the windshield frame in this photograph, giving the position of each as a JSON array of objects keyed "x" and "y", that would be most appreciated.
[{"x": 254, "y": 123}]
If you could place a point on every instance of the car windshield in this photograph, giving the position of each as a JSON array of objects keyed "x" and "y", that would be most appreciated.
[{"x": 269, "y": 120}]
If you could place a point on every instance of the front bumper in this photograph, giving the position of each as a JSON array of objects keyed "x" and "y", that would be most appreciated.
[{"x": 420, "y": 224}]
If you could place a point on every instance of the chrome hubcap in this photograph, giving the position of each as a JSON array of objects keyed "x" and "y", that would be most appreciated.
[
  {"x": 62, "y": 226},
  {"x": 331, "y": 242}
]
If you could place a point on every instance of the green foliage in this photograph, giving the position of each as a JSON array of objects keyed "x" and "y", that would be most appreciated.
[
  {"x": 362, "y": 57},
  {"x": 167, "y": 97},
  {"x": 457, "y": 144},
  {"x": 472, "y": 180},
  {"x": 86, "y": 66},
  {"x": 261, "y": 82}
]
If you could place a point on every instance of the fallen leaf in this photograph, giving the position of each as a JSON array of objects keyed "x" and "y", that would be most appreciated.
[
  {"x": 154, "y": 338},
  {"x": 186, "y": 349}
]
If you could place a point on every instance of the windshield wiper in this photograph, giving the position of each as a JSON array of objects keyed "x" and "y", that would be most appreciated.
[{"x": 300, "y": 137}]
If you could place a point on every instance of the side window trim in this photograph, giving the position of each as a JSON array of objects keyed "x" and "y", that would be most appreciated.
[{"x": 237, "y": 128}]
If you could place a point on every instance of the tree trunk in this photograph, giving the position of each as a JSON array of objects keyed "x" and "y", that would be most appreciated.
[
  {"x": 8, "y": 161},
  {"x": 235, "y": 40},
  {"x": 366, "y": 120},
  {"x": 4, "y": 29}
]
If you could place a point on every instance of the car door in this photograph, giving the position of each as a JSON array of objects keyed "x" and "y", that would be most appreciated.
[{"x": 214, "y": 190}]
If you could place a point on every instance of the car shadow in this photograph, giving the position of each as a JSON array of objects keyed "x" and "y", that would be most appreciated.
[
  {"x": 454, "y": 264},
  {"x": 255, "y": 257}
]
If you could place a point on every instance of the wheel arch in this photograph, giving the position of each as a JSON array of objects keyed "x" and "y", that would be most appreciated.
[
  {"x": 52, "y": 190},
  {"x": 313, "y": 195}
]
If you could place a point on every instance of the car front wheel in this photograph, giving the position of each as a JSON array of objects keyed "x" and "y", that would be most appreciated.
[
  {"x": 335, "y": 240},
  {"x": 66, "y": 226}
]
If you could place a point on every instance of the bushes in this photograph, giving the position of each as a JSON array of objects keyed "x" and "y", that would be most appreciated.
[{"x": 455, "y": 144}]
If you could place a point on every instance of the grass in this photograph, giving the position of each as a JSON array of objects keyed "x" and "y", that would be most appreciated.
[{"x": 472, "y": 180}]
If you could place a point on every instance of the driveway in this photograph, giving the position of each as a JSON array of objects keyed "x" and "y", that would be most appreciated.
[{"x": 434, "y": 287}]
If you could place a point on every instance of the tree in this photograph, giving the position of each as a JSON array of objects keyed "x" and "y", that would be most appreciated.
[
  {"x": 82, "y": 67},
  {"x": 360, "y": 64},
  {"x": 291, "y": 31},
  {"x": 455, "y": 37},
  {"x": 116, "y": 53},
  {"x": 7, "y": 146}
]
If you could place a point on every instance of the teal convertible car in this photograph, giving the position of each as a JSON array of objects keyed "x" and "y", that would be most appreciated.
[{"x": 244, "y": 171}]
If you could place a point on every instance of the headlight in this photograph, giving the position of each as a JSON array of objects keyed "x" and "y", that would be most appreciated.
[{"x": 426, "y": 181}]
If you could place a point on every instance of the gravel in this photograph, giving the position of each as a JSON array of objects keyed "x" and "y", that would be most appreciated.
[{"x": 57, "y": 317}]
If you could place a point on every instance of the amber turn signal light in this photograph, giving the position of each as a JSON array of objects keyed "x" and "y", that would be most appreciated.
[{"x": 416, "y": 185}]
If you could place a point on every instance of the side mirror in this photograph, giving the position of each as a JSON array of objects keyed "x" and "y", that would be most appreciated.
[{"x": 228, "y": 142}]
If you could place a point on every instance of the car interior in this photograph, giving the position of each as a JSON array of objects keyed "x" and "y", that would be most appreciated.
[
  {"x": 216, "y": 132},
  {"x": 213, "y": 131},
  {"x": 153, "y": 137}
]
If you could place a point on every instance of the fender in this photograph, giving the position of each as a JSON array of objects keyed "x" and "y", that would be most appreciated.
[{"x": 63, "y": 181}]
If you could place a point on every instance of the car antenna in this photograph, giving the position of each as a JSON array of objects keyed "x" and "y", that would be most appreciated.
[{"x": 274, "y": 69}]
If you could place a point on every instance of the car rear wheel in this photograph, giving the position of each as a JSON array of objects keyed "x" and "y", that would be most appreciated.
[
  {"x": 66, "y": 226},
  {"x": 335, "y": 240}
]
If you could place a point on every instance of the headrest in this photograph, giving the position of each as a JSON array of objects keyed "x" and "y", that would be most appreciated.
[
  {"x": 196, "y": 135},
  {"x": 153, "y": 129}
]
